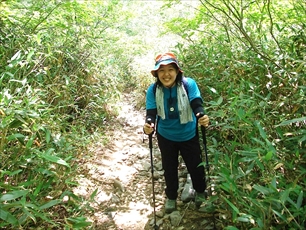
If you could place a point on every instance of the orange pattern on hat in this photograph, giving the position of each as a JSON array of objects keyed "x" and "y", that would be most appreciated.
[{"x": 165, "y": 56}]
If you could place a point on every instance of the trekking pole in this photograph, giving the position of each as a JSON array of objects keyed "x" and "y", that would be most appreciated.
[
  {"x": 203, "y": 130},
  {"x": 149, "y": 121}
]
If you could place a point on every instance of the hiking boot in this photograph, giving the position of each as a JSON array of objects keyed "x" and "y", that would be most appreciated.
[
  {"x": 199, "y": 198},
  {"x": 170, "y": 206}
]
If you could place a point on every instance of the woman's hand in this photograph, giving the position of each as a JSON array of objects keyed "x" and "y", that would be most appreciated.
[
  {"x": 148, "y": 129},
  {"x": 204, "y": 120}
]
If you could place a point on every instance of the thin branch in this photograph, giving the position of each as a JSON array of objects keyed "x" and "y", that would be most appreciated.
[
  {"x": 41, "y": 21},
  {"x": 247, "y": 39},
  {"x": 271, "y": 26},
  {"x": 216, "y": 19}
]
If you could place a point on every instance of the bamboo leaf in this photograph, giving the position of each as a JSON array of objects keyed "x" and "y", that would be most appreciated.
[
  {"x": 284, "y": 196},
  {"x": 8, "y": 217},
  {"x": 231, "y": 204},
  {"x": 13, "y": 195},
  {"x": 243, "y": 219},
  {"x": 30, "y": 143},
  {"x": 9, "y": 173},
  {"x": 92, "y": 196},
  {"x": 288, "y": 122},
  {"x": 279, "y": 214},
  {"x": 299, "y": 200},
  {"x": 231, "y": 228},
  {"x": 50, "y": 204},
  {"x": 16, "y": 55},
  {"x": 79, "y": 222},
  {"x": 261, "y": 130},
  {"x": 262, "y": 189},
  {"x": 29, "y": 214},
  {"x": 220, "y": 100},
  {"x": 55, "y": 159},
  {"x": 48, "y": 135},
  {"x": 15, "y": 136}
]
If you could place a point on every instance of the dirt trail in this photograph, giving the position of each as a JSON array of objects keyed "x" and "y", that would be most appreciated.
[{"x": 121, "y": 173}]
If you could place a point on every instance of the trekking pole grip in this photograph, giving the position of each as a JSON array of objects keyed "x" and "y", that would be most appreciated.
[
  {"x": 203, "y": 129},
  {"x": 149, "y": 121}
]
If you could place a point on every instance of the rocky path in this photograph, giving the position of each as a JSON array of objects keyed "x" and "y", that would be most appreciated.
[{"x": 118, "y": 178}]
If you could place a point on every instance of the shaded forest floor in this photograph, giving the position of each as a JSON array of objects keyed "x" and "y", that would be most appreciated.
[{"x": 120, "y": 172}]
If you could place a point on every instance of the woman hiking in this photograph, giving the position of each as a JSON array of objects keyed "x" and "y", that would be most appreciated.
[{"x": 174, "y": 104}]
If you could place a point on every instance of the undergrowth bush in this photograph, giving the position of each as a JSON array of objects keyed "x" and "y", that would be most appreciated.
[
  {"x": 59, "y": 70},
  {"x": 254, "y": 92}
]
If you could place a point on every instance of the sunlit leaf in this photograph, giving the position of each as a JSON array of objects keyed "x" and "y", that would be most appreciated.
[
  {"x": 13, "y": 195},
  {"x": 30, "y": 54},
  {"x": 52, "y": 158},
  {"x": 288, "y": 122},
  {"x": 243, "y": 219},
  {"x": 269, "y": 156},
  {"x": 17, "y": 55},
  {"x": 213, "y": 90},
  {"x": 50, "y": 204},
  {"x": 279, "y": 165},
  {"x": 220, "y": 100}
]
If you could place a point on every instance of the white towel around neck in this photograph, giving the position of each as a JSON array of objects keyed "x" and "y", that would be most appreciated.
[{"x": 183, "y": 104}]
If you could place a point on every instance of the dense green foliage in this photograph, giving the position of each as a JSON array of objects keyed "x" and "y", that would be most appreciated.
[
  {"x": 64, "y": 63},
  {"x": 249, "y": 59},
  {"x": 59, "y": 70}
]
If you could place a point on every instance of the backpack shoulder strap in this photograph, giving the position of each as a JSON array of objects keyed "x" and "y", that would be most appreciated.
[
  {"x": 184, "y": 82},
  {"x": 154, "y": 88}
]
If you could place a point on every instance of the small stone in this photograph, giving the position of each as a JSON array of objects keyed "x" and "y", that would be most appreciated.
[
  {"x": 159, "y": 222},
  {"x": 117, "y": 184},
  {"x": 159, "y": 213},
  {"x": 156, "y": 175},
  {"x": 115, "y": 199},
  {"x": 175, "y": 218},
  {"x": 146, "y": 166},
  {"x": 158, "y": 166}
]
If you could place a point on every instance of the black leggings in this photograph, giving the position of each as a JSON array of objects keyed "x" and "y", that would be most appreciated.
[{"x": 191, "y": 153}]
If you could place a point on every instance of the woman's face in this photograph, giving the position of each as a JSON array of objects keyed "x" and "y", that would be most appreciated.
[{"x": 167, "y": 75}]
